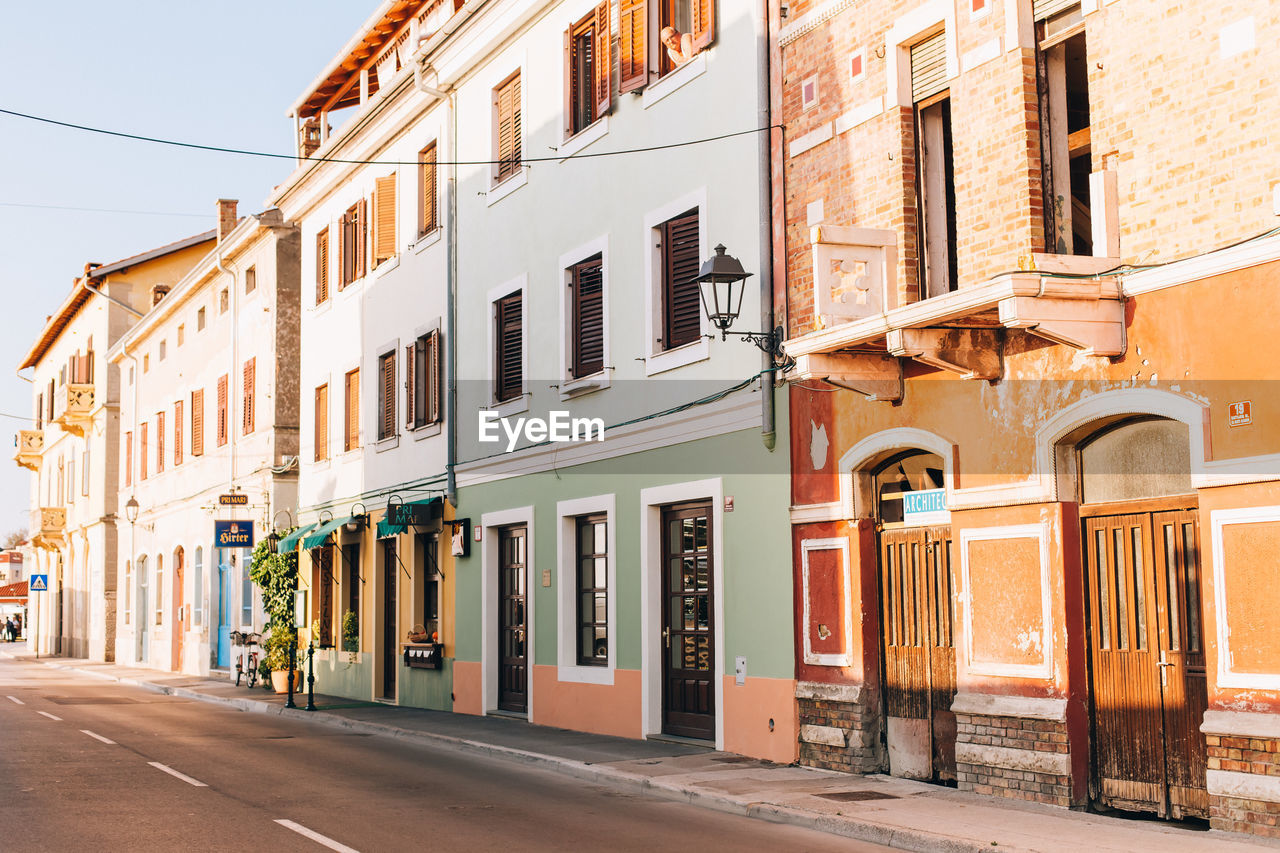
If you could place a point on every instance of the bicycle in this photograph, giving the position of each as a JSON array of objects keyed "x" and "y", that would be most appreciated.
[{"x": 247, "y": 659}]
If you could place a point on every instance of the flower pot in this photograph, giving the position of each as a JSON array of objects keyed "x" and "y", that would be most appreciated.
[{"x": 280, "y": 681}]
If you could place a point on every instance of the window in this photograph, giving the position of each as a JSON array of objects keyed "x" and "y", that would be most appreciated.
[
  {"x": 681, "y": 302},
  {"x": 178, "y": 437},
  {"x": 222, "y": 426},
  {"x": 197, "y": 423},
  {"x": 224, "y": 301},
  {"x": 322, "y": 423},
  {"x": 146, "y": 367},
  {"x": 1066, "y": 159},
  {"x": 322, "y": 586},
  {"x": 128, "y": 458},
  {"x": 387, "y": 395},
  {"x": 587, "y": 285},
  {"x": 593, "y": 594},
  {"x": 935, "y": 176},
  {"x": 40, "y": 405},
  {"x": 384, "y": 218},
  {"x": 353, "y": 229},
  {"x": 128, "y": 592},
  {"x": 509, "y": 358},
  {"x": 685, "y": 27},
  {"x": 588, "y": 61},
  {"x": 84, "y": 473},
  {"x": 351, "y": 582},
  {"x": 250, "y": 378},
  {"x": 197, "y": 589},
  {"x": 633, "y": 44},
  {"x": 427, "y": 204},
  {"x": 199, "y": 327},
  {"x": 142, "y": 450},
  {"x": 159, "y": 442},
  {"x": 857, "y": 65},
  {"x": 71, "y": 479},
  {"x": 422, "y": 381},
  {"x": 246, "y": 595},
  {"x": 322, "y": 267},
  {"x": 507, "y": 130},
  {"x": 159, "y": 590},
  {"x": 182, "y": 333},
  {"x": 427, "y": 549},
  {"x": 351, "y": 410},
  {"x": 163, "y": 349},
  {"x": 809, "y": 93},
  {"x": 250, "y": 280}
]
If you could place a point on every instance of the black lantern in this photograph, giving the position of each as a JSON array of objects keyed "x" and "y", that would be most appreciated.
[{"x": 721, "y": 283}]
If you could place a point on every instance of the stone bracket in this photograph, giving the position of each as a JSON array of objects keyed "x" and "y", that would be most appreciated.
[
  {"x": 969, "y": 353},
  {"x": 877, "y": 377},
  {"x": 1095, "y": 327}
]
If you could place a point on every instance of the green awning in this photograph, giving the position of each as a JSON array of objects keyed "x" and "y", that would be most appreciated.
[
  {"x": 386, "y": 529},
  {"x": 321, "y": 534},
  {"x": 290, "y": 542}
]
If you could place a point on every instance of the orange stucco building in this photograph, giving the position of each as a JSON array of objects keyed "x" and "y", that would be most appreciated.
[{"x": 1031, "y": 259}]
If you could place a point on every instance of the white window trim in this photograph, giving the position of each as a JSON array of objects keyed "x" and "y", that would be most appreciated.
[
  {"x": 567, "y": 514},
  {"x": 391, "y": 348},
  {"x": 981, "y": 13},
  {"x": 489, "y": 608},
  {"x": 501, "y": 71},
  {"x": 656, "y": 359},
  {"x": 861, "y": 75},
  {"x": 908, "y": 30},
  {"x": 505, "y": 408},
  {"x": 1228, "y": 675},
  {"x": 806, "y": 105},
  {"x": 590, "y": 134},
  {"x": 845, "y": 656},
  {"x": 1041, "y": 670},
  {"x": 571, "y": 386},
  {"x": 509, "y": 185},
  {"x": 687, "y": 73}
]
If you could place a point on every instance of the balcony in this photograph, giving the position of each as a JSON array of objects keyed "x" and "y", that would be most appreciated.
[
  {"x": 73, "y": 408},
  {"x": 50, "y": 523},
  {"x": 30, "y": 443},
  {"x": 865, "y": 332}
]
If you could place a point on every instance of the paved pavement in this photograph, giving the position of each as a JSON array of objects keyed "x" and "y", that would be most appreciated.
[{"x": 878, "y": 809}]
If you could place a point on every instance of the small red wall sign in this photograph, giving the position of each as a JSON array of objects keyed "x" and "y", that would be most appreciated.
[{"x": 1240, "y": 413}]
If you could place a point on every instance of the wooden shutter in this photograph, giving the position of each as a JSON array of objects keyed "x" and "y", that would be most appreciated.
[
  {"x": 322, "y": 266},
  {"x": 222, "y": 409},
  {"x": 681, "y": 304},
  {"x": 411, "y": 399},
  {"x": 427, "y": 176},
  {"x": 633, "y": 60},
  {"x": 142, "y": 451},
  {"x": 432, "y": 379},
  {"x": 247, "y": 418},
  {"x": 128, "y": 458},
  {"x": 178, "y": 437},
  {"x": 322, "y": 423},
  {"x": 159, "y": 442},
  {"x": 40, "y": 411},
  {"x": 929, "y": 67},
  {"x": 197, "y": 423},
  {"x": 588, "y": 317},
  {"x": 361, "y": 236},
  {"x": 384, "y": 223},
  {"x": 346, "y": 254},
  {"x": 704, "y": 23},
  {"x": 602, "y": 69},
  {"x": 351, "y": 411},
  {"x": 1041, "y": 9},
  {"x": 387, "y": 390},
  {"x": 508, "y": 357},
  {"x": 507, "y": 100}
]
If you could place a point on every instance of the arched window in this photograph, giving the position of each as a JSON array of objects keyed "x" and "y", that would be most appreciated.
[
  {"x": 128, "y": 592},
  {"x": 1135, "y": 459},
  {"x": 158, "y": 594},
  {"x": 197, "y": 589},
  {"x": 909, "y": 471}
]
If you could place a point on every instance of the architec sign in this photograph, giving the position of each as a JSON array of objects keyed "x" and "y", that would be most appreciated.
[{"x": 233, "y": 534}]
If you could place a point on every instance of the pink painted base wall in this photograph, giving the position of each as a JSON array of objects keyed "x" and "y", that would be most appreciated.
[
  {"x": 747, "y": 711},
  {"x": 468, "y": 695},
  {"x": 607, "y": 709}
]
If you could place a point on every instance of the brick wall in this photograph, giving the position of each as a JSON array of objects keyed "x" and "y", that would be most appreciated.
[
  {"x": 839, "y": 733},
  {"x": 1019, "y": 758},
  {"x": 1257, "y": 756}
]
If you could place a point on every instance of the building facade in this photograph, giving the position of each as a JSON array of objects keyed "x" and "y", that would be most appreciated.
[
  {"x": 1035, "y": 503},
  {"x": 208, "y": 407},
  {"x": 74, "y": 447}
]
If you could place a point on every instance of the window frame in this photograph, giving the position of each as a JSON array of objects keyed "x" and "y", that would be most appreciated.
[
  {"x": 583, "y": 620},
  {"x": 388, "y": 390},
  {"x": 197, "y": 422},
  {"x": 223, "y": 425},
  {"x": 428, "y": 178},
  {"x": 424, "y": 403},
  {"x": 353, "y": 238},
  {"x": 569, "y": 669},
  {"x": 659, "y": 359},
  {"x": 507, "y": 388},
  {"x": 323, "y": 263},
  {"x": 504, "y": 168},
  {"x": 351, "y": 432},
  {"x": 320, "y": 434},
  {"x": 572, "y": 384},
  {"x": 596, "y": 96}
]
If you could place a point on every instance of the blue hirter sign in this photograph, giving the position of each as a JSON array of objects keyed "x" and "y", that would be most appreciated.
[
  {"x": 925, "y": 507},
  {"x": 233, "y": 534},
  {"x": 38, "y": 583}
]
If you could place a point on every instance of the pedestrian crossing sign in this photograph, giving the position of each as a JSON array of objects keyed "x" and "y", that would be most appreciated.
[{"x": 39, "y": 583}]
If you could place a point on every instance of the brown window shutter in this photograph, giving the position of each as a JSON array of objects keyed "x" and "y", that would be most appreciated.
[
  {"x": 410, "y": 398},
  {"x": 40, "y": 411},
  {"x": 384, "y": 224},
  {"x": 704, "y": 23},
  {"x": 427, "y": 176},
  {"x": 387, "y": 391},
  {"x": 507, "y": 97},
  {"x": 178, "y": 437},
  {"x": 361, "y": 231},
  {"x": 250, "y": 369},
  {"x": 432, "y": 378},
  {"x": 633, "y": 60},
  {"x": 222, "y": 409},
  {"x": 509, "y": 333},
  {"x": 345, "y": 255},
  {"x": 322, "y": 266},
  {"x": 681, "y": 308},
  {"x": 602, "y": 71},
  {"x": 322, "y": 423},
  {"x": 159, "y": 442},
  {"x": 197, "y": 423},
  {"x": 142, "y": 451},
  {"x": 351, "y": 411},
  {"x": 588, "y": 317},
  {"x": 128, "y": 458}
]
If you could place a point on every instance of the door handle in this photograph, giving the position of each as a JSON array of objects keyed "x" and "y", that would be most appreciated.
[
  {"x": 1166, "y": 663},
  {"x": 666, "y": 637}
]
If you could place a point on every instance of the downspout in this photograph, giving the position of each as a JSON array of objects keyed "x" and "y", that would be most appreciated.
[
  {"x": 235, "y": 353},
  {"x": 764, "y": 144}
]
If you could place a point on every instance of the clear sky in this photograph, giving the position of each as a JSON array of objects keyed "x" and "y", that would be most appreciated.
[{"x": 212, "y": 73}]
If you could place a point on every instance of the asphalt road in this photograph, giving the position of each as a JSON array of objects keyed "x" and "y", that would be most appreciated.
[{"x": 95, "y": 765}]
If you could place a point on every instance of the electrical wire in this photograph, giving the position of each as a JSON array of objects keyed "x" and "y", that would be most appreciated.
[
  {"x": 250, "y": 153},
  {"x": 100, "y": 210},
  {"x": 16, "y": 417}
]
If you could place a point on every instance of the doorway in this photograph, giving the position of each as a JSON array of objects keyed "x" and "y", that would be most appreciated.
[
  {"x": 142, "y": 652},
  {"x": 390, "y": 632},
  {"x": 222, "y": 651},
  {"x": 688, "y": 629},
  {"x": 513, "y": 663},
  {"x": 180, "y": 615}
]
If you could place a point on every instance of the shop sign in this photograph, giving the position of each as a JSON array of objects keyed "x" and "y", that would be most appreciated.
[
  {"x": 234, "y": 499},
  {"x": 928, "y": 506},
  {"x": 233, "y": 534}
]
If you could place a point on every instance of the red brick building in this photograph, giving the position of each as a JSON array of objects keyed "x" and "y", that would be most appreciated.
[{"x": 1032, "y": 258}]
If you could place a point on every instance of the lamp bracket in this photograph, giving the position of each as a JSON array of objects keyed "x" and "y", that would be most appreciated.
[{"x": 769, "y": 343}]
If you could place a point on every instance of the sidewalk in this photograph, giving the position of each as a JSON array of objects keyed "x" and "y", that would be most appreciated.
[{"x": 894, "y": 812}]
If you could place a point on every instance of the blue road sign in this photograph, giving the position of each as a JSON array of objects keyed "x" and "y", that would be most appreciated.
[{"x": 38, "y": 583}]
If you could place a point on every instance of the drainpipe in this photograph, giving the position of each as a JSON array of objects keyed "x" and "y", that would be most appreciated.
[
  {"x": 768, "y": 431},
  {"x": 451, "y": 281},
  {"x": 235, "y": 352}
]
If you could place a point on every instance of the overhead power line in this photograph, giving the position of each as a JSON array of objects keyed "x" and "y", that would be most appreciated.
[{"x": 250, "y": 153}]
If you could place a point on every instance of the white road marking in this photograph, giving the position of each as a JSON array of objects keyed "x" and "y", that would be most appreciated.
[
  {"x": 98, "y": 737},
  {"x": 184, "y": 777},
  {"x": 16, "y": 700},
  {"x": 317, "y": 837},
  {"x": 50, "y": 716}
]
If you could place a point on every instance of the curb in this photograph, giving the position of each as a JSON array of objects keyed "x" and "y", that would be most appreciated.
[{"x": 843, "y": 825}]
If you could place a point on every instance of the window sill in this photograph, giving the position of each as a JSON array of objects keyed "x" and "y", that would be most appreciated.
[
  {"x": 500, "y": 191},
  {"x": 585, "y": 674},
  {"x": 386, "y": 266},
  {"x": 571, "y": 388},
  {"x": 429, "y": 239},
  {"x": 320, "y": 465},
  {"x": 580, "y": 140},
  {"x": 699, "y": 350},
  {"x": 384, "y": 444},
  {"x": 427, "y": 431},
  {"x": 514, "y": 406},
  {"x": 686, "y": 73}
]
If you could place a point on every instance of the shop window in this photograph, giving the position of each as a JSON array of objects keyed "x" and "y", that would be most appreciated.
[{"x": 592, "y": 561}]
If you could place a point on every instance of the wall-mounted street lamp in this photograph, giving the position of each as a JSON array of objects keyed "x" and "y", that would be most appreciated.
[
  {"x": 721, "y": 283},
  {"x": 131, "y": 510},
  {"x": 358, "y": 519}
]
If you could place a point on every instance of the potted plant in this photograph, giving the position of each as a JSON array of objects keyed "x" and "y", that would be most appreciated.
[
  {"x": 277, "y": 647},
  {"x": 350, "y": 633},
  {"x": 277, "y": 576}
]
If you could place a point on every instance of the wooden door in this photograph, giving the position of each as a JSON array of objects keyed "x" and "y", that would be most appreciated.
[
  {"x": 918, "y": 649},
  {"x": 688, "y": 635},
  {"x": 513, "y": 661},
  {"x": 181, "y": 618},
  {"x": 390, "y": 646},
  {"x": 1148, "y": 688}
]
